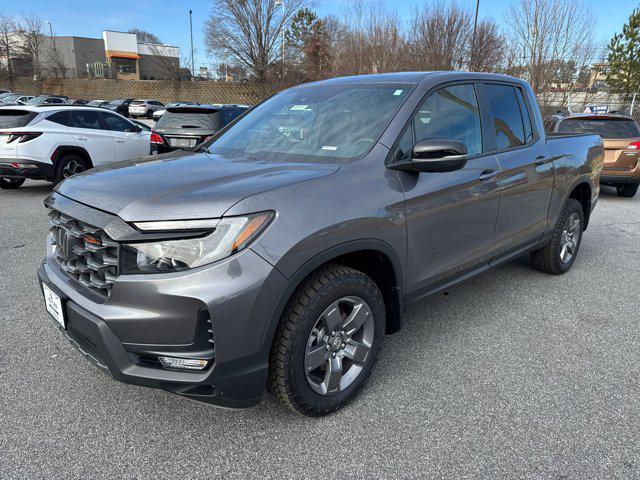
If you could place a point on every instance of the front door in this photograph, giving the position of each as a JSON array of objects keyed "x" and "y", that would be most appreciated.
[{"x": 450, "y": 216}]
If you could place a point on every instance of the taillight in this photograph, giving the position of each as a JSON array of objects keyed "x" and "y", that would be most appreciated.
[
  {"x": 155, "y": 138},
  {"x": 633, "y": 146},
  {"x": 21, "y": 136}
]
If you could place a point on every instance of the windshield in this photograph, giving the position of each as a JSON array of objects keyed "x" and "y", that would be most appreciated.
[
  {"x": 189, "y": 118},
  {"x": 95, "y": 103},
  {"x": 609, "y": 128},
  {"x": 11, "y": 98},
  {"x": 326, "y": 122},
  {"x": 117, "y": 102},
  {"x": 37, "y": 100}
]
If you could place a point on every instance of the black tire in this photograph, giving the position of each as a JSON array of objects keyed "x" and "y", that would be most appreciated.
[
  {"x": 288, "y": 380},
  {"x": 150, "y": 114},
  {"x": 67, "y": 164},
  {"x": 627, "y": 190},
  {"x": 549, "y": 258},
  {"x": 11, "y": 183}
]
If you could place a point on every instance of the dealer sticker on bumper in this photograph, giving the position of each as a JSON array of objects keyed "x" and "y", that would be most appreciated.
[{"x": 53, "y": 304}]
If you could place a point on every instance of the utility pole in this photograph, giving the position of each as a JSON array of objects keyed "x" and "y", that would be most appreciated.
[
  {"x": 473, "y": 41},
  {"x": 50, "y": 29},
  {"x": 193, "y": 66}
]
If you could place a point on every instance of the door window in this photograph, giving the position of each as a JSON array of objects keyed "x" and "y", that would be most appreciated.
[
  {"x": 451, "y": 113},
  {"x": 507, "y": 118},
  {"x": 84, "y": 119},
  {"x": 116, "y": 124},
  {"x": 526, "y": 117}
]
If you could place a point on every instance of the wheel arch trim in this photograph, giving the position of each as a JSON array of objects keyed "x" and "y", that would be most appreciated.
[{"x": 326, "y": 256}]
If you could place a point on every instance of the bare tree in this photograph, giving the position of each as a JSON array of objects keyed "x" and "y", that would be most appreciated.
[
  {"x": 544, "y": 33},
  {"x": 30, "y": 41},
  {"x": 440, "y": 36},
  {"x": 249, "y": 32},
  {"x": 143, "y": 36},
  {"x": 370, "y": 39},
  {"x": 54, "y": 63},
  {"x": 487, "y": 52},
  {"x": 7, "y": 44}
]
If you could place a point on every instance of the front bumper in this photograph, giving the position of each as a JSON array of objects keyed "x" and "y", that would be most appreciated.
[
  {"x": 151, "y": 315},
  {"x": 26, "y": 169}
]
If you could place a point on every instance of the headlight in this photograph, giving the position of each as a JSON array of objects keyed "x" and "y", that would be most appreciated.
[{"x": 230, "y": 235}]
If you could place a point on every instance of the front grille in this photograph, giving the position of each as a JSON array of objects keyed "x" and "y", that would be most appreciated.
[{"x": 84, "y": 252}]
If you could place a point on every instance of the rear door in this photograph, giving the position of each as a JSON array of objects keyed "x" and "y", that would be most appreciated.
[
  {"x": 129, "y": 142},
  {"x": 526, "y": 173},
  {"x": 87, "y": 131},
  {"x": 450, "y": 216}
]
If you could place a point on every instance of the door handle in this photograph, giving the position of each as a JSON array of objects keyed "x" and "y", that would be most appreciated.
[
  {"x": 540, "y": 160},
  {"x": 82, "y": 139},
  {"x": 120, "y": 140},
  {"x": 488, "y": 175}
]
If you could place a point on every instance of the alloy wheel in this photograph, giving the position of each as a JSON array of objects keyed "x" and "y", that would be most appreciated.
[
  {"x": 570, "y": 237},
  {"x": 339, "y": 345},
  {"x": 72, "y": 167}
]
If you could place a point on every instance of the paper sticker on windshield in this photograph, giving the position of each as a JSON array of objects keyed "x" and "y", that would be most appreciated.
[
  {"x": 329, "y": 147},
  {"x": 299, "y": 107},
  {"x": 398, "y": 92}
]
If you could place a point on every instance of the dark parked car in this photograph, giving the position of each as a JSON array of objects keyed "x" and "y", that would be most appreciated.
[
  {"x": 187, "y": 126},
  {"x": 120, "y": 105},
  {"x": 283, "y": 250}
]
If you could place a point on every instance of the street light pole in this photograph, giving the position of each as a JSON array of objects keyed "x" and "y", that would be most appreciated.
[
  {"x": 473, "y": 41},
  {"x": 50, "y": 29},
  {"x": 193, "y": 66}
]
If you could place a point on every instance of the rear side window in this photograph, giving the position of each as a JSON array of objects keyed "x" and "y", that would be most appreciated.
[
  {"x": 507, "y": 118},
  {"x": 15, "y": 118},
  {"x": 230, "y": 115},
  {"x": 84, "y": 119},
  {"x": 190, "y": 119},
  {"x": 60, "y": 117},
  {"x": 526, "y": 117},
  {"x": 609, "y": 128}
]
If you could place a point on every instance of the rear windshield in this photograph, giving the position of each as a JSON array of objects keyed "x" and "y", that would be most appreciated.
[
  {"x": 117, "y": 102},
  {"x": 94, "y": 103},
  {"x": 608, "y": 128},
  {"x": 15, "y": 118},
  {"x": 137, "y": 102},
  {"x": 190, "y": 119},
  {"x": 37, "y": 100}
]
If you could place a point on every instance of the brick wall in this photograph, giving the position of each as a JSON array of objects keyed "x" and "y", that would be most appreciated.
[{"x": 165, "y": 91}]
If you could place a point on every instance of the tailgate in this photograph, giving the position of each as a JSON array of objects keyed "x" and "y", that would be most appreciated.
[{"x": 618, "y": 157}]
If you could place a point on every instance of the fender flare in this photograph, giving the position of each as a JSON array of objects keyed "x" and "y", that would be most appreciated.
[
  {"x": 397, "y": 307},
  {"x": 63, "y": 149}
]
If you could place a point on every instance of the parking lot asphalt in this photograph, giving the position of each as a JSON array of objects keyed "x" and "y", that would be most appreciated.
[{"x": 515, "y": 374}]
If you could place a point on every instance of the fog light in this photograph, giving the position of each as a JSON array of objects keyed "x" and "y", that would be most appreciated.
[{"x": 183, "y": 363}]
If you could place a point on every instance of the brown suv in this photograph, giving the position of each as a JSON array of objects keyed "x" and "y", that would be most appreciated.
[{"x": 621, "y": 137}]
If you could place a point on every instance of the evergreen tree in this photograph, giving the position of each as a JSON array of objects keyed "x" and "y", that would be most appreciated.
[{"x": 623, "y": 76}]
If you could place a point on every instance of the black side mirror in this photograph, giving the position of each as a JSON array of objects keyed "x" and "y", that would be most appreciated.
[{"x": 435, "y": 155}]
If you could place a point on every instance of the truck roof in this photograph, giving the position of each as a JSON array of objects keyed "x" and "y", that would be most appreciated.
[{"x": 416, "y": 77}]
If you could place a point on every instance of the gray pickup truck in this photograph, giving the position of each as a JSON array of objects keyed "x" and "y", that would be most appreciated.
[{"x": 279, "y": 254}]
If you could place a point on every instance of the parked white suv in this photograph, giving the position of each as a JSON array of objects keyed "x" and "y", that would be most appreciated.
[
  {"x": 54, "y": 142},
  {"x": 144, "y": 108}
]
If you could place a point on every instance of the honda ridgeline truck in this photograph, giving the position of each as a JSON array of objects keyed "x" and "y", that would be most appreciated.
[{"x": 279, "y": 253}]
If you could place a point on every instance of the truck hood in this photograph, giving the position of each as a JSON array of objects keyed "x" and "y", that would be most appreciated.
[{"x": 182, "y": 185}]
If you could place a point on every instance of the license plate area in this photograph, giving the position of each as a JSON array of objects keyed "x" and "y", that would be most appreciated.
[
  {"x": 182, "y": 142},
  {"x": 53, "y": 303}
]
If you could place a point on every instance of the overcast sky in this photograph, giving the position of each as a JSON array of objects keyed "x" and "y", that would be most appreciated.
[{"x": 169, "y": 19}]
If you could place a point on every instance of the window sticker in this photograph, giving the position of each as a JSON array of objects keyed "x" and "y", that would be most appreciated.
[
  {"x": 398, "y": 92},
  {"x": 299, "y": 107},
  {"x": 329, "y": 147}
]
